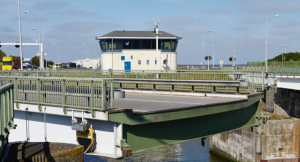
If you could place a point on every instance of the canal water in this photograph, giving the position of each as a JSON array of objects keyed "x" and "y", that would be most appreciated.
[{"x": 186, "y": 151}]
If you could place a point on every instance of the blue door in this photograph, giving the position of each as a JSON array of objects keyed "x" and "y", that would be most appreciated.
[{"x": 127, "y": 66}]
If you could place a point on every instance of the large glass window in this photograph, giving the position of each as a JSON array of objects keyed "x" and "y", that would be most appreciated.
[
  {"x": 117, "y": 44},
  {"x": 136, "y": 45},
  {"x": 154, "y": 44},
  {"x": 174, "y": 44},
  {"x": 146, "y": 44},
  {"x": 127, "y": 44},
  {"x": 166, "y": 44},
  {"x": 139, "y": 62},
  {"x": 102, "y": 45},
  {"x": 6, "y": 63},
  {"x": 108, "y": 44}
]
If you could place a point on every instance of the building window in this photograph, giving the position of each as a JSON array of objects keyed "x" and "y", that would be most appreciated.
[
  {"x": 127, "y": 44},
  {"x": 139, "y": 62},
  {"x": 122, "y": 57},
  {"x": 136, "y": 45},
  {"x": 165, "y": 61},
  {"x": 155, "y": 62},
  {"x": 154, "y": 44},
  {"x": 117, "y": 45},
  {"x": 146, "y": 44},
  {"x": 148, "y": 62}
]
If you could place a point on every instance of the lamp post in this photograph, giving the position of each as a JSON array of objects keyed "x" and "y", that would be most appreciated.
[
  {"x": 282, "y": 55},
  {"x": 41, "y": 58},
  {"x": 213, "y": 50},
  {"x": 267, "y": 42},
  {"x": 42, "y": 48},
  {"x": 57, "y": 53},
  {"x": 156, "y": 34},
  {"x": 20, "y": 33},
  {"x": 203, "y": 46},
  {"x": 284, "y": 60}
]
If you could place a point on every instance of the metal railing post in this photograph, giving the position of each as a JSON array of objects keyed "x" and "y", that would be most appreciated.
[
  {"x": 63, "y": 90},
  {"x": 112, "y": 95},
  {"x": 104, "y": 106},
  {"x": 16, "y": 92},
  {"x": 92, "y": 91},
  {"x": 263, "y": 80},
  {"x": 38, "y": 88}
]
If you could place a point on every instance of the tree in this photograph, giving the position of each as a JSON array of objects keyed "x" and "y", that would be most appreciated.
[
  {"x": 50, "y": 63},
  {"x": 291, "y": 56},
  {"x": 36, "y": 62},
  {"x": 2, "y": 54}
]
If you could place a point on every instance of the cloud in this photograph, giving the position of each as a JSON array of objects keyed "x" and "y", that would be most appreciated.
[
  {"x": 6, "y": 29},
  {"x": 217, "y": 10},
  {"x": 240, "y": 28},
  {"x": 253, "y": 21},
  {"x": 272, "y": 7},
  {"x": 75, "y": 10},
  {"x": 50, "y": 5},
  {"x": 84, "y": 27},
  {"x": 174, "y": 21}
]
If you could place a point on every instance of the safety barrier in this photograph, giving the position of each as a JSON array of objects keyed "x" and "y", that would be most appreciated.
[
  {"x": 82, "y": 93},
  {"x": 6, "y": 110}
]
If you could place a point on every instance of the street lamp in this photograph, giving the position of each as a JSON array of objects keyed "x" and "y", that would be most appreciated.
[
  {"x": 284, "y": 60},
  {"x": 20, "y": 34},
  {"x": 57, "y": 53},
  {"x": 282, "y": 55},
  {"x": 41, "y": 58},
  {"x": 267, "y": 42},
  {"x": 203, "y": 46},
  {"x": 213, "y": 50}
]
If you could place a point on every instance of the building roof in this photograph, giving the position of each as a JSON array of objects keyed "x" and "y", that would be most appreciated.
[{"x": 137, "y": 35}]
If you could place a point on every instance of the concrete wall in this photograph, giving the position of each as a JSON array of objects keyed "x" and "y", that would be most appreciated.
[
  {"x": 238, "y": 145},
  {"x": 280, "y": 139},
  {"x": 289, "y": 101},
  {"x": 134, "y": 55}
]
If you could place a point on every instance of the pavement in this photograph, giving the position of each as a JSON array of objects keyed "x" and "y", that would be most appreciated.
[{"x": 154, "y": 102}]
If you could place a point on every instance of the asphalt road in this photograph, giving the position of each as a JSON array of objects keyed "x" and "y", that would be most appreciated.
[{"x": 148, "y": 102}]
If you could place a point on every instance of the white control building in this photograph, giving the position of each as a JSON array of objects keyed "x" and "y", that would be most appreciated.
[{"x": 136, "y": 50}]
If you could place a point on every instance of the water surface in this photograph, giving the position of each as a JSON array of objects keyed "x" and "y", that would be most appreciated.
[{"x": 186, "y": 151}]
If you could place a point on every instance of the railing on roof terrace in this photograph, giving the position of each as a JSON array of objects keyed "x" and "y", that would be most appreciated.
[
  {"x": 82, "y": 93},
  {"x": 6, "y": 110}
]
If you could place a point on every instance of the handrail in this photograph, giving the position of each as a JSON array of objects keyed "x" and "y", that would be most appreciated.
[
  {"x": 63, "y": 92},
  {"x": 6, "y": 110}
]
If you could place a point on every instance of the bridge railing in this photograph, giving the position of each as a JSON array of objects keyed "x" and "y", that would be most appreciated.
[
  {"x": 6, "y": 110},
  {"x": 254, "y": 77},
  {"x": 82, "y": 93}
]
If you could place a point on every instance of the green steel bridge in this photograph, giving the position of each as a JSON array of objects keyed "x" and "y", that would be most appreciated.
[{"x": 47, "y": 106}]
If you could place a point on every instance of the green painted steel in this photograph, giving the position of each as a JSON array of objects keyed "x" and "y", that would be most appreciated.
[
  {"x": 62, "y": 92},
  {"x": 145, "y": 131},
  {"x": 6, "y": 110},
  {"x": 130, "y": 118}
]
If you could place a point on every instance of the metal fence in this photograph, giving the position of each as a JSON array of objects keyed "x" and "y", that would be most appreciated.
[
  {"x": 83, "y": 93},
  {"x": 255, "y": 77},
  {"x": 6, "y": 110}
]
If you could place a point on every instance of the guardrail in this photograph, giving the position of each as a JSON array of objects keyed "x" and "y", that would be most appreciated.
[
  {"x": 83, "y": 93},
  {"x": 6, "y": 110},
  {"x": 255, "y": 78}
]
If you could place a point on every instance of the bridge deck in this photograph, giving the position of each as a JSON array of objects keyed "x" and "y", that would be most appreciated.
[{"x": 154, "y": 102}]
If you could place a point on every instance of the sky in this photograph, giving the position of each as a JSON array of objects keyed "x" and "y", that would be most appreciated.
[{"x": 75, "y": 24}]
